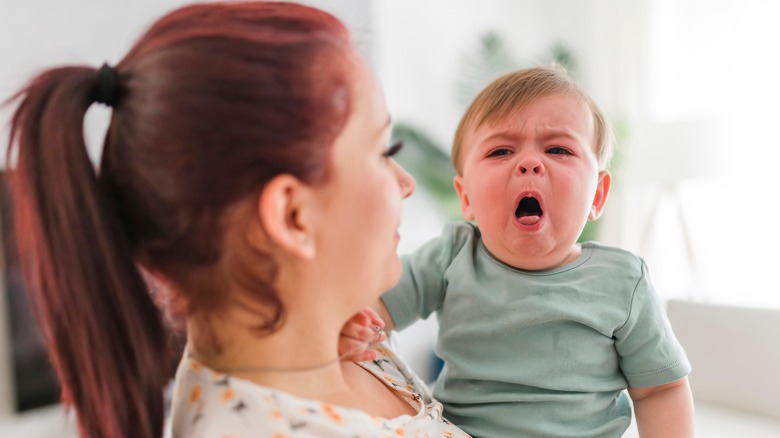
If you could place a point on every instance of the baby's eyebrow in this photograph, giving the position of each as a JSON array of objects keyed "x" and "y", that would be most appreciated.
[
  {"x": 557, "y": 133},
  {"x": 500, "y": 135},
  {"x": 544, "y": 135}
]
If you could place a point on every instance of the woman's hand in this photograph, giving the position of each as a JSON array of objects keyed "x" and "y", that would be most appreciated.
[{"x": 357, "y": 335}]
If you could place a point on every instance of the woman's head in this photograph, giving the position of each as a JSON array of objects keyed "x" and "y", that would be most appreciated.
[
  {"x": 215, "y": 100},
  {"x": 352, "y": 218},
  {"x": 213, "y": 104},
  {"x": 333, "y": 240}
]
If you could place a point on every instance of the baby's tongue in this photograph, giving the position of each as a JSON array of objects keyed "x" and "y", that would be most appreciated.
[{"x": 529, "y": 220}]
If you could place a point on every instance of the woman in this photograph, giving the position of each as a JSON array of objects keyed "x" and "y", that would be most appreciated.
[{"x": 246, "y": 173}]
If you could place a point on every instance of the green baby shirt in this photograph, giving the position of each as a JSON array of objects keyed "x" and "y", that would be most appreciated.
[{"x": 537, "y": 353}]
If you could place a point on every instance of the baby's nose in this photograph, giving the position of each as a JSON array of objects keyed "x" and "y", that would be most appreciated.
[{"x": 530, "y": 166}]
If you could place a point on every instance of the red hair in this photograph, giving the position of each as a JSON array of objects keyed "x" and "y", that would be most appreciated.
[{"x": 212, "y": 102}]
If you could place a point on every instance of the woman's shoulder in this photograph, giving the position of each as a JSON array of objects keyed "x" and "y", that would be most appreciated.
[{"x": 210, "y": 404}]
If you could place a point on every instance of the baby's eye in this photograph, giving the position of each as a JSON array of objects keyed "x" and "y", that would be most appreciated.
[
  {"x": 559, "y": 150},
  {"x": 392, "y": 150},
  {"x": 499, "y": 152}
]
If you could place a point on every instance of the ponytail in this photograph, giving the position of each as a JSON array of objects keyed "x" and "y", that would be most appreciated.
[{"x": 104, "y": 334}]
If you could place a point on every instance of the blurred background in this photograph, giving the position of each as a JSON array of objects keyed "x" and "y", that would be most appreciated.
[{"x": 690, "y": 86}]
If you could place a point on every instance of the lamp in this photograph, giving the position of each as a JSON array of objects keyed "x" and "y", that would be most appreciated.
[{"x": 662, "y": 156}]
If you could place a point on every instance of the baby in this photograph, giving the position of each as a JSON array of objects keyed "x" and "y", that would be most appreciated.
[{"x": 540, "y": 335}]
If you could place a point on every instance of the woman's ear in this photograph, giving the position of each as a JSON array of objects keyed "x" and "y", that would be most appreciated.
[
  {"x": 602, "y": 193},
  {"x": 283, "y": 210}
]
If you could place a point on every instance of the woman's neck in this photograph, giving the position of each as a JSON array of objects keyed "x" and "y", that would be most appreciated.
[{"x": 300, "y": 358}]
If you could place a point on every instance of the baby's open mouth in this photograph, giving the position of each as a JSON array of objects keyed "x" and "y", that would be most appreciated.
[{"x": 528, "y": 211}]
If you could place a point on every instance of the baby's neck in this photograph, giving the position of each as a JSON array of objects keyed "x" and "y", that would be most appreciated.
[
  {"x": 542, "y": 262},
  {"x": 575, "y": 252}
]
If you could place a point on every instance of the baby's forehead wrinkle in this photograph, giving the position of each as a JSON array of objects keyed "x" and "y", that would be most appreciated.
[
  {"x": 516, "y": 128},
  {"x": 509, "y": 126}
]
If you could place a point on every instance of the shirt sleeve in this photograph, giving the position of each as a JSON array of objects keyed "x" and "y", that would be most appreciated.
[
  {"x": 650, "y": 354},
  {"x": 422, "y": 287}
]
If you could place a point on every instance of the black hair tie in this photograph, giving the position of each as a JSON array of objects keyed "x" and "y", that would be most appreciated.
[{"x": 108, "y": 85}]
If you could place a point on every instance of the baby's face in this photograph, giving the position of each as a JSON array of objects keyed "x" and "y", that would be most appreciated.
[{"x": 532, "y": 181}]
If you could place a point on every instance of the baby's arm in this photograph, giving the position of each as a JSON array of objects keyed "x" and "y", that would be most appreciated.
[
  {"x": 664, "y": 410},
  {"x": 379, "y": 307}
]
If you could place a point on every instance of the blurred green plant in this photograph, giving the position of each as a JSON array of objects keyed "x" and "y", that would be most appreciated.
[
  {"x": 563, "y": 56},
  {"x": 430, "y": 165},
  {"x": 480, "y": 65}
]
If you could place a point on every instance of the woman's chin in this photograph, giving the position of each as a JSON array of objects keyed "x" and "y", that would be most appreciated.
[{"x": 393, "y": 274}]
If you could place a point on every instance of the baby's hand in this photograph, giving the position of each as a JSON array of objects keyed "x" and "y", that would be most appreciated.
[{"x": 357, "y": 335}]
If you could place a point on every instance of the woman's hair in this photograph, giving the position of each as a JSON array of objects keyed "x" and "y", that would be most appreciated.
[
  {"x": 514, "y": 91},
  {"x": 211, "y": 103}
]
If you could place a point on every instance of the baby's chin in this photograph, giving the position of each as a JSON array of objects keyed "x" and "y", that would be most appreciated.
[{"x": 532, "y": 252}]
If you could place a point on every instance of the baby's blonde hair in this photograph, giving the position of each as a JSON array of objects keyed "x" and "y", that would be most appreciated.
[{"x": 513, "y": 91}]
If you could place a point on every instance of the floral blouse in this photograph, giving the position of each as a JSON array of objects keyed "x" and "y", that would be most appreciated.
[{"x": 208, "y": 404}]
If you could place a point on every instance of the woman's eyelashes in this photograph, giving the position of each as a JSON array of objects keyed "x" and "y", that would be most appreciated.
[{"x": 392, "y": 150}]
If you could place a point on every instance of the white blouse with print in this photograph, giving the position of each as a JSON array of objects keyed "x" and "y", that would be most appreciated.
[{"x": 208, "y": 404}]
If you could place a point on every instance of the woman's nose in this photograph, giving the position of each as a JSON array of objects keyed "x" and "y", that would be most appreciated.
[{"x": 405, "y": 181}]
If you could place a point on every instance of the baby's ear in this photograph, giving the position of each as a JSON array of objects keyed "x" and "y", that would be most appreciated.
[
  {"x": 600, "y": 198},
  {"x": 465, "y": 206}
]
